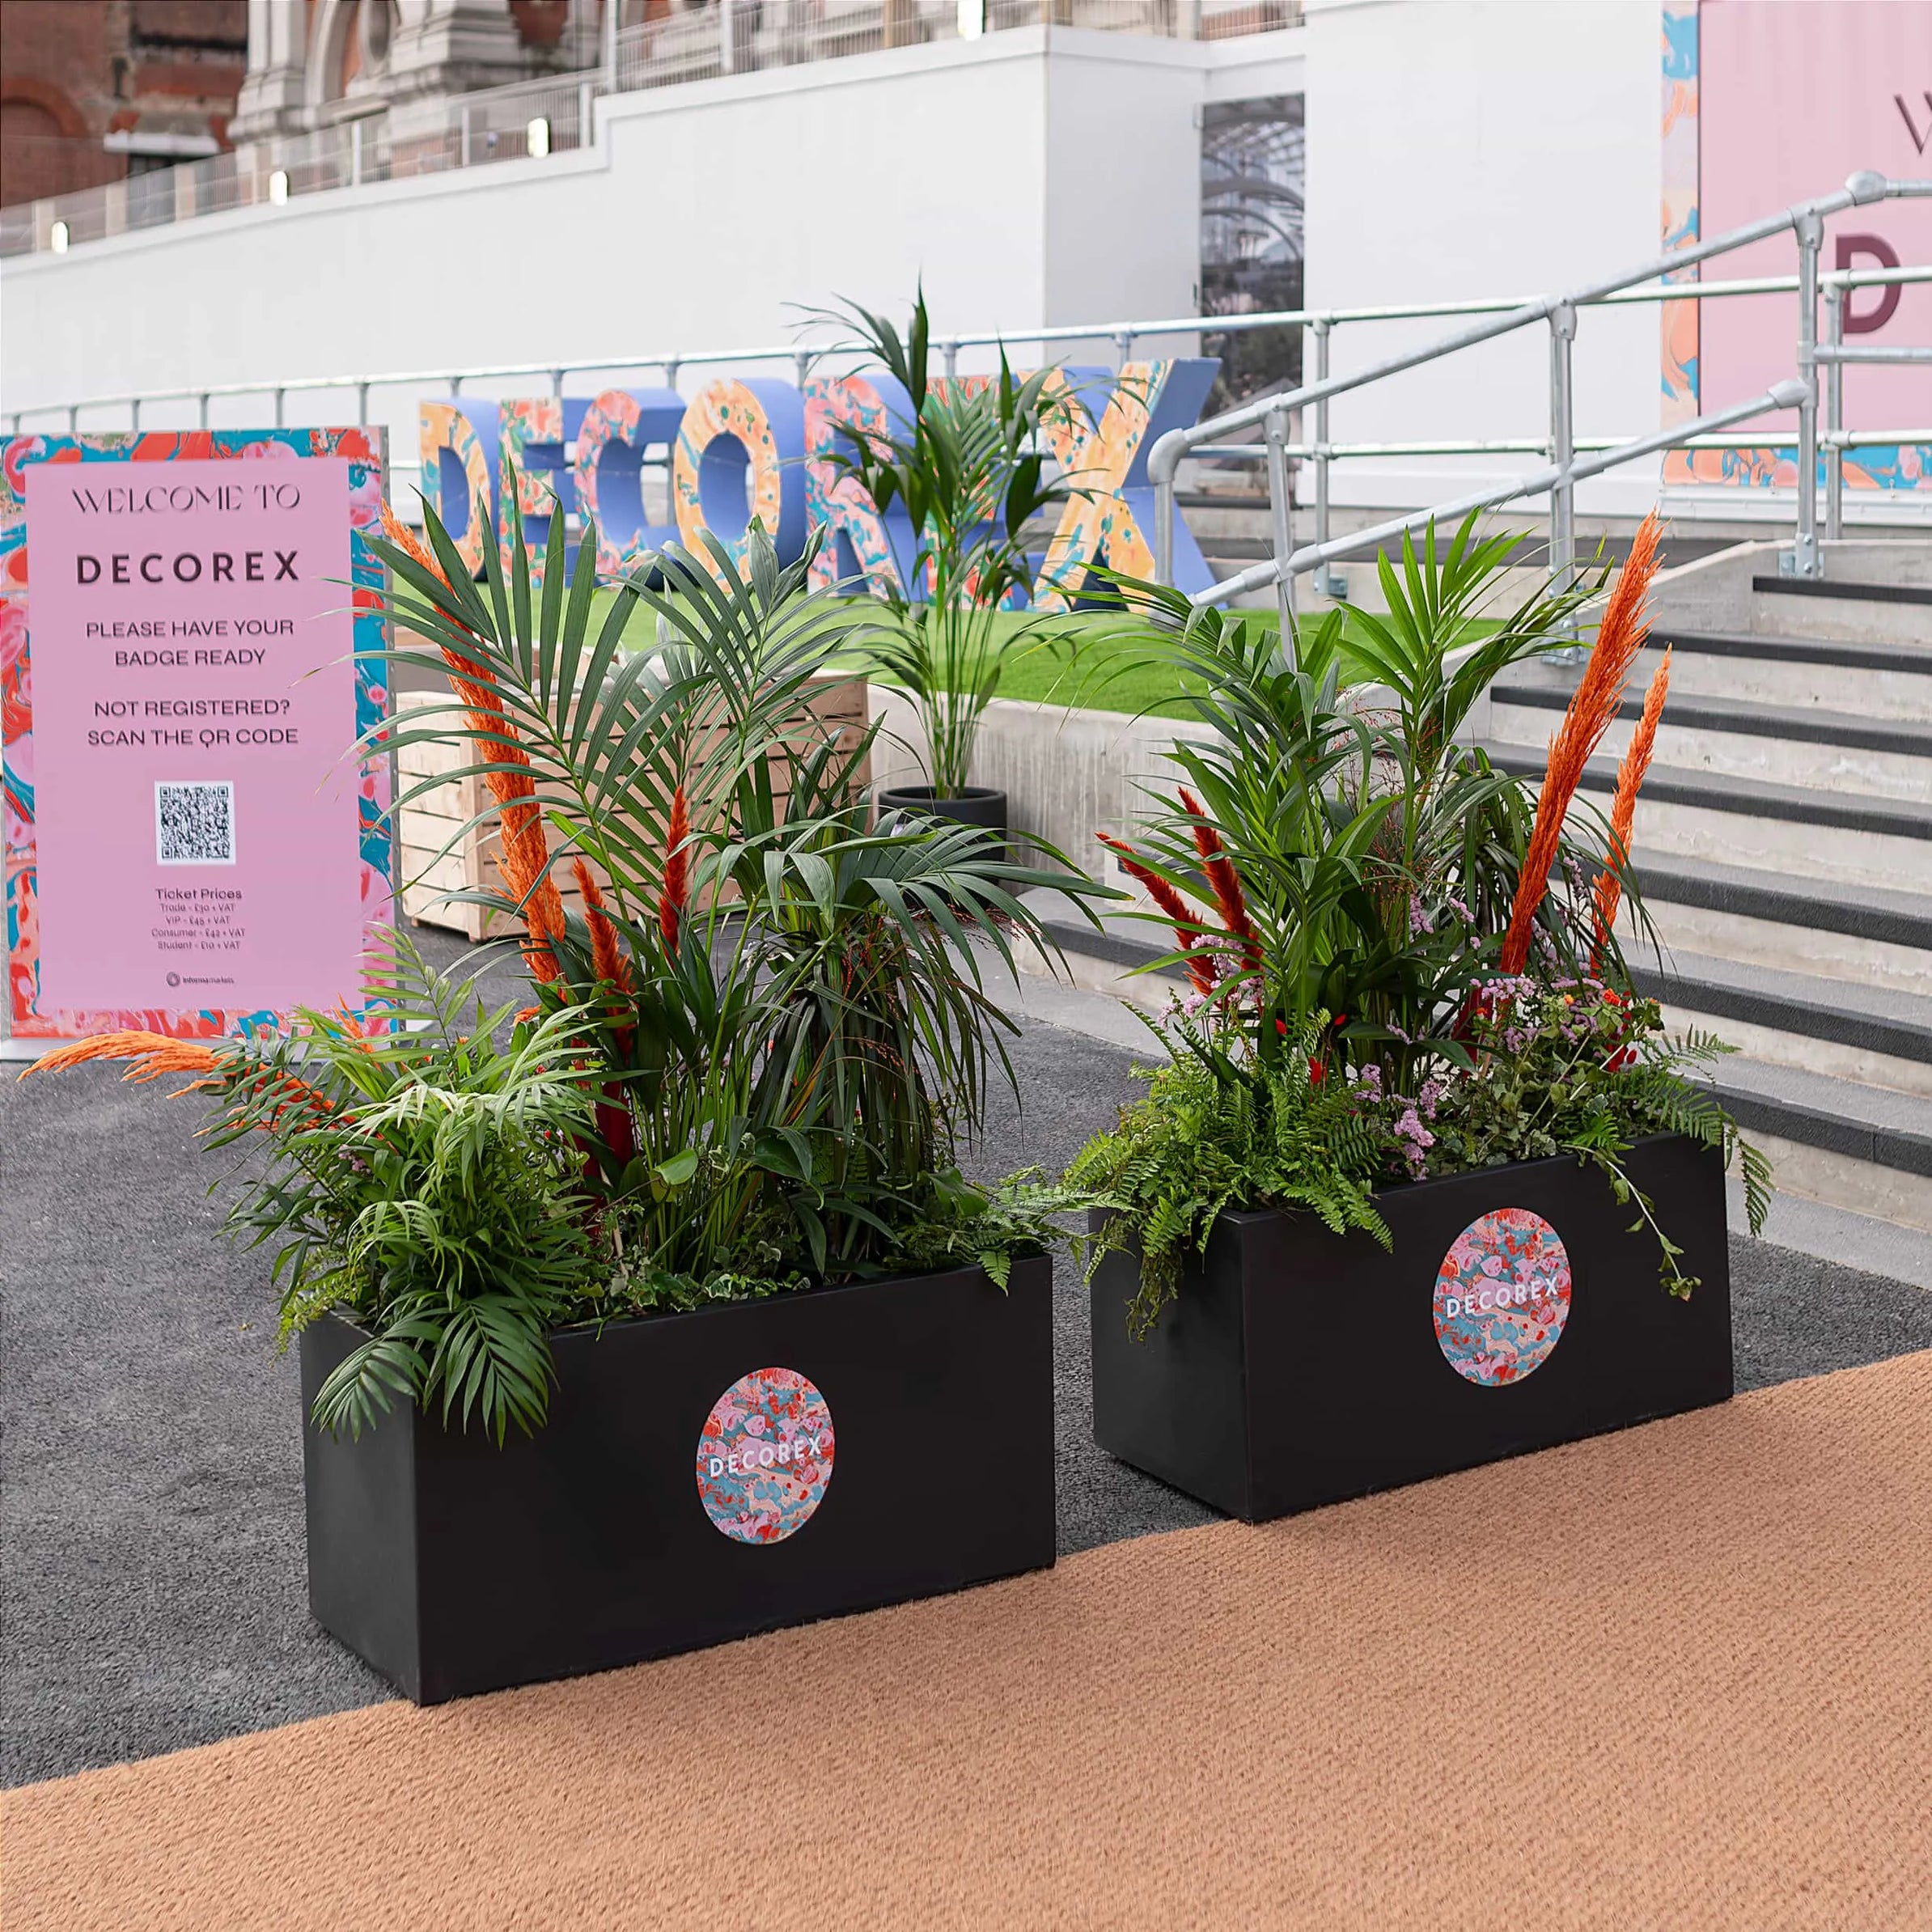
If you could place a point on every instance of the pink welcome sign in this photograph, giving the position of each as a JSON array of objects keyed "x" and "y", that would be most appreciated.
[
  {"x": 191, "y": 648},
  {"x": 1771, "y": 102}
]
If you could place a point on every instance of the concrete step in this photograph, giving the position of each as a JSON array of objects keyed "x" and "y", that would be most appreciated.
[
  {"x": 1853, "y": 840},
  {"x": 1786, "y": 744},
  {"x": 1873, "y": 680},
  {"x": 1865, "y": 1148},
  {"x": 1876, "y": 1036},
  {"x": 1847, "y": 610},
  {"x": 1866, "y": 936}
]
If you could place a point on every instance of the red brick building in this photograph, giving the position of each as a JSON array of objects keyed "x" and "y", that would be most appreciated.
[{"x": 93, "y": 90}]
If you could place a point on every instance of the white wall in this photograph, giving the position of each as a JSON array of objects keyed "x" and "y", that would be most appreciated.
[
  {"x": 1456, "y": 148},
  {"x": 1462, "y": 149},
  {"x": 1030, "y": 177}
]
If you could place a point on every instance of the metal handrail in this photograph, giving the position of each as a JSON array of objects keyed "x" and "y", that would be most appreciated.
[
  {"x": 1124, "y": 335},
  {"x": 1559, "y": 313}
]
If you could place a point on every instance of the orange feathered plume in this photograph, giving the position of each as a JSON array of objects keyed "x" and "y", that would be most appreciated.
[
  {"x": 1222, "y": 877},
  {"x": 1592, "y": 706},
  {"x": 154, "y": 1054},
  {"x": 677, "y": 871},
  {"x": 1201, "y": 969},
  {"x": 612, "y": 967},
  {"x": 524, "y": 857},
  {"x": 607, "y": 961},
  {"x": 1623, "y": 811}
]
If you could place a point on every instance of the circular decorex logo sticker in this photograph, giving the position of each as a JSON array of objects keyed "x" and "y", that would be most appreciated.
[
  {"x": 1502, "y": 1297},
  {"x": 765, "y": 1457}
]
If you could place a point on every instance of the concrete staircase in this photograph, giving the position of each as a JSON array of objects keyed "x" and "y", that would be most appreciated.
[{"x": 1784, "y": 845}]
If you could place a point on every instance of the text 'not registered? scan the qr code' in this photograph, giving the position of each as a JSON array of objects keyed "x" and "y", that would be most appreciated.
[{"x": 194, "y": 825}]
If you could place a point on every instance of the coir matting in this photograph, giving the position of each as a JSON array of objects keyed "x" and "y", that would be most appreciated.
[{"x": 1679, "y": 1676}]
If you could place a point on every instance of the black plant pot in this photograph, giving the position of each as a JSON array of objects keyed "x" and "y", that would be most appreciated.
[
  {"x": 977, "y": 805},
  {"x": 1298, "y": 1367},
  {"x": 902, "y": 1437}
]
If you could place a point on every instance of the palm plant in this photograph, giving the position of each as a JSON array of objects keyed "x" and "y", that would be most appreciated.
[
  {"x": 421, "y": 1178},
  {"x": 787, "y": 1027},
  {"x": 1360, "y": 860},
  {"x": 971, "y": 471},
  {"x": 1361, "y": 990}
]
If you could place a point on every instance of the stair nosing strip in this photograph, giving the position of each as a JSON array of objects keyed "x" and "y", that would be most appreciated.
[
  {"x": 1842, "y": 1026},
  {"x": 1753, "y": 798},
  {"x": 1745, "y": 719},
  {"x": 1898, "y": 1148},
  {"x": 1661, "y": 878},
  {"x": 1851, "y": 592},
  {"x": 1911, "y": 659}
]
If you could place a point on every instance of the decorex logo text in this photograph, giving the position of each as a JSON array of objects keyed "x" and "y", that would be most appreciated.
[
  {"x": 755, "y": 1455},
  {"x": 746, "y": 448}
]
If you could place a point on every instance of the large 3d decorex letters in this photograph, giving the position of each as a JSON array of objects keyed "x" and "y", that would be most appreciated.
[{"x": 746, "y": 447}]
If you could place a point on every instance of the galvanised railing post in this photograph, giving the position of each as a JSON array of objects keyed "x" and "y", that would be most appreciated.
[
  {"x": 1164, "y": 530},
  {"x": 204, "y": 408},
  {"x": 1804, "y": 557},
  {"x": 134, "y": 416},
  {"x": 362, "y": 404},
  {"x": 950, "y": 351},
  {"x": 1124, "y": 341},
  {"x": 1331, "y": 583},
  {"x": 1834, "y": 298},
  {"x": 1281, "y": 513},
  {"x": 1562, "y": 442},
  {"x": 74, "y": 419}
]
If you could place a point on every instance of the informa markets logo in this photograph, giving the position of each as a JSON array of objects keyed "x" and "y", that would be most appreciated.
[
  {"x": 1502, "y": 1297},
  {"x": 765, "y": 1456}
]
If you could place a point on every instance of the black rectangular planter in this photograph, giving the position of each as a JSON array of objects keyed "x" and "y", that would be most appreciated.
[
  {"x": 454, "y": 1566},
  {"x": 1298, "y": 1367}
]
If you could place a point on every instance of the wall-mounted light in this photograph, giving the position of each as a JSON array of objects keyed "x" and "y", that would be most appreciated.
[
  {"x": 972, "y": 18},
  {"x": 536, "y": 137},
  {"x": 279, "y": 186},
  {"x": 57, "y": 237}
]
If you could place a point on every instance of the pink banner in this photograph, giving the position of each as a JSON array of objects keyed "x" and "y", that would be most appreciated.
[
  {"x": 1795, "y": 95},
  {"x": 194, "y": 699}
]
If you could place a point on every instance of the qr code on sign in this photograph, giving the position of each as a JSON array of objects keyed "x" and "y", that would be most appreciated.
[{"x": 194, "y": 825}]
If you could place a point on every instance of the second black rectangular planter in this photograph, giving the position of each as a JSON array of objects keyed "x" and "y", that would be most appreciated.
[
  {"x": 1298, "y": 1367},
  {"x": 701, "y": 1476}
]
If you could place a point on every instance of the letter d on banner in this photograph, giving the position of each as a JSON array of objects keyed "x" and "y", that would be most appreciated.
[
  {"x": 740, "y": 455},
  {"x": 459, "y": 441}
]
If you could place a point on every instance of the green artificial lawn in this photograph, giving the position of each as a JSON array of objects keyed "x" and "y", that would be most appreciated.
[{"x": 1084, "y": 659}]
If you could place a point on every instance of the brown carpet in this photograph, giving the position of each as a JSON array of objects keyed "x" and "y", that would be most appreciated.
[{"x": 1680, "y": 1676}]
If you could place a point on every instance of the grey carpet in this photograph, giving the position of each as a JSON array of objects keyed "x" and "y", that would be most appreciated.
[{"x": 152, "y": 1583}]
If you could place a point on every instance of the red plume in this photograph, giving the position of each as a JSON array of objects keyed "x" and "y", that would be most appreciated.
[
  {"x": 1222, "y": 877},
  {"x": 677, "y": 871},
  {"x": 1201, "y": 969}
]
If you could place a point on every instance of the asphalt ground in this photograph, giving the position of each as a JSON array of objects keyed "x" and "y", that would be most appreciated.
[{"x": 152, "y": 1576}]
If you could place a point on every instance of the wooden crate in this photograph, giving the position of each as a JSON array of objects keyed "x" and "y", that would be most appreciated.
[{"x": 437, "y": 859}]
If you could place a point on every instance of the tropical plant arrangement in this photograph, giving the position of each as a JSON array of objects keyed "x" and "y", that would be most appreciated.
[
  {"x": 750, "y": 1051},
  {"x": 1403, "y": 963},
  {"x": 970, "y": 469}
]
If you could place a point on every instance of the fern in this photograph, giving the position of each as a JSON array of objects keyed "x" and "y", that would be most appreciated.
[{"x": 1209, "y": 1136}]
